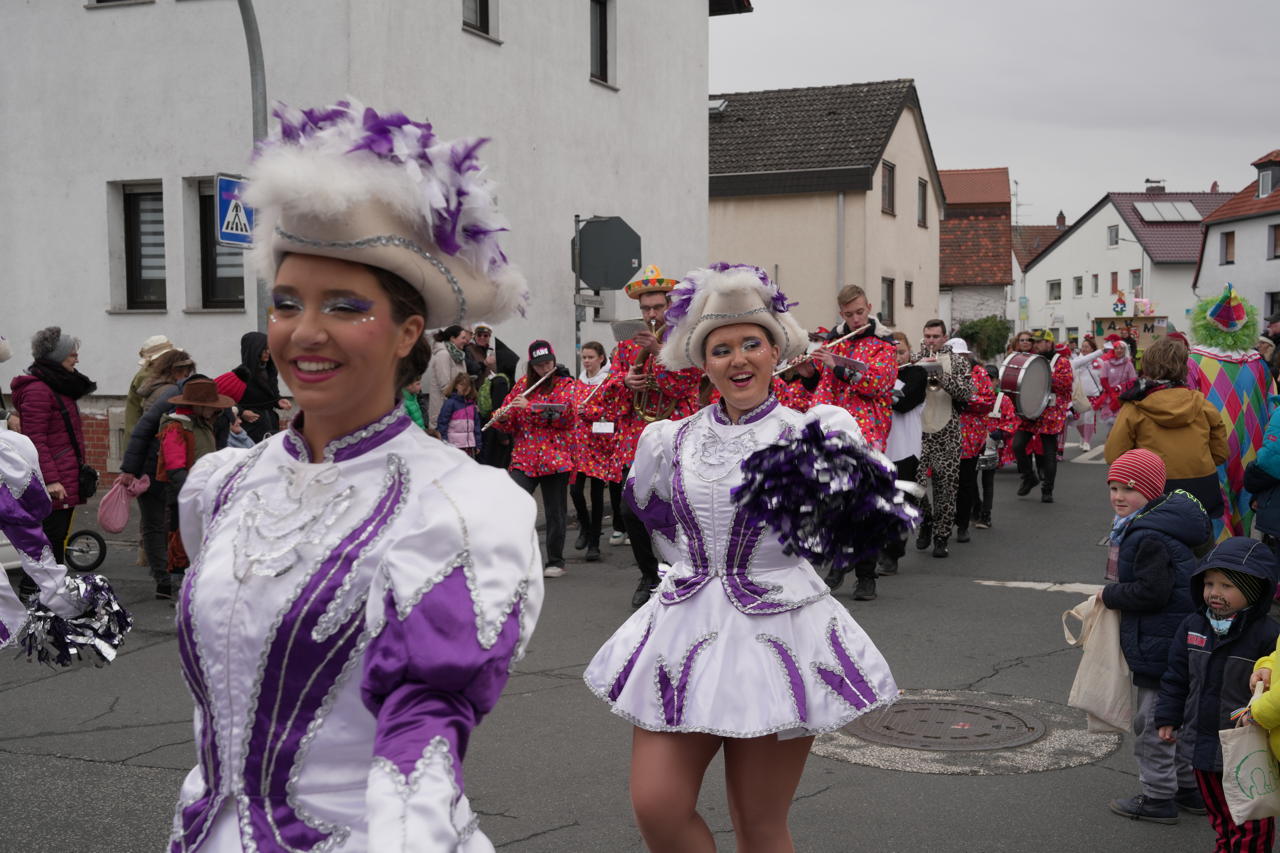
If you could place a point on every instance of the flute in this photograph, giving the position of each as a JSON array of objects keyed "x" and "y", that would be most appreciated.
[
  {"x": 524, "y": 393},
  {"x": 827, "y": 345}
]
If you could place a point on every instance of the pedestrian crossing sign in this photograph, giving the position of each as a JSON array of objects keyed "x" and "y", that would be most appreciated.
[{"x": 235, "y": 219}]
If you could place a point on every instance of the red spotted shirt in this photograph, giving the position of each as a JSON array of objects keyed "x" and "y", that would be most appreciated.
[
  {"x": 793, "y": 395},
  {"x": 592, "y": 451},
  {"x": 870, "y": 398},
  {"x": 974, "y": 425},
  {"x": 543, "y": 443}
]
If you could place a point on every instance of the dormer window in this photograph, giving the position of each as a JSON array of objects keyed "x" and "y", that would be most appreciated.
[{"x": 1264, "y": 183}]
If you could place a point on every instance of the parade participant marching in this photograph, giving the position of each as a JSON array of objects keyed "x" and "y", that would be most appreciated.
[
  {"x": 734, "y": 602},
  {"x": 1086, "y": 369},
  {"x": 973, "y": 436},
  {"x": 641, "y": 390},
  {"x": 358, "y": 590},
  {"x": 540, "y": 415},
  {"x": 949, "y": 388},
  {"x": 1040, "y": 436},
  {"x": 904, "y": 446},
  {"x": 592, "y": 457}
]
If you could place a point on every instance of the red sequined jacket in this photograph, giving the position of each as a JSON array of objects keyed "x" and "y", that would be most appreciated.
[
  {"x": 543, "y": 443},
  {"x": 974, "y": 425},
  {"x": 870, "y": 398},
  {"x": 1054, "y": 418}
]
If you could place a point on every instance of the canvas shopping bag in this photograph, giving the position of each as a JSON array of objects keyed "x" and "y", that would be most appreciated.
[
  {"x": 1250, "y": 776},
  {"x": 1103, "y": 685}
]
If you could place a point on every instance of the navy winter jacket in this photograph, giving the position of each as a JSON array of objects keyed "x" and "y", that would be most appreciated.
[
  {"x": 1208, "y": 675},
  {"x": 1266, "y": 494},
  {"x": 1152, "y": 591}
]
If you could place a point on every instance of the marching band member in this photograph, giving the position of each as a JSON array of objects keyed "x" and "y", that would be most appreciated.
[
  {"x": 904, "y": 444},
  {"x": 973, "y": 437},
  {"x": 1044, "y": 429},
  {"x": 949, "y": 387},
  {"x": 742, "y": 647},
  {"x": 592, "y": 457},
  {"x": 639, "y": 391}
]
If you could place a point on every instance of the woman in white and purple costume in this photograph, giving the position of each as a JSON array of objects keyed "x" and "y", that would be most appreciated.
[
  {"x": 741, "y": 646},
  {"x": 358, "y": 591}
]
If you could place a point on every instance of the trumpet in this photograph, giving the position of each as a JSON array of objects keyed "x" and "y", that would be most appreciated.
[{"x": 649, "y": 403}]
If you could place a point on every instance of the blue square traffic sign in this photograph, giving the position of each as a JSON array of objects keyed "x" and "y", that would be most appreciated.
[{"x": 235, "y": 219}]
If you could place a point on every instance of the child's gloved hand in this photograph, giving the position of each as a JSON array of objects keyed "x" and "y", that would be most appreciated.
[
  {"x": 1166, "y": 734},
  {"x": 1263, "y": 675}
]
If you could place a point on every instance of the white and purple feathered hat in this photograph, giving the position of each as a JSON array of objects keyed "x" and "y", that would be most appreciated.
[
  {"x": 723, "y": 295},
  {"x": 347, "y": 182}
]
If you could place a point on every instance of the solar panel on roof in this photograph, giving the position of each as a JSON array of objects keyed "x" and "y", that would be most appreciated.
[
  {"x": 1168, "y": 211},
  {"x": 1148, "y": 211},
  {"x": 1188, "y": 211}
]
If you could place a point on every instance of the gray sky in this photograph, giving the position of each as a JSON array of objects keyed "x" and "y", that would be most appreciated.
[{"x": 1076, "y": 98}]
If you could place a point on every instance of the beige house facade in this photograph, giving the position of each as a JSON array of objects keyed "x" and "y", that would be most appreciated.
[{"x": 829, "y": 186}]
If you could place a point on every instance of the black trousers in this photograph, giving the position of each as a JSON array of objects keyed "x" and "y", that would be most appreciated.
[
  {"x": 641, "y": 543},
  {"x": 987, "y": 479},
  {"x": 554, "y": 507},
  {"x": 907, "y": 469},
  {"x": 615, "y": 507},
  {"x": 154, "y": 528},
  {"x": 56, "y": 527},
  {"x": 588, "y": 521},
  {"x": 967, "y": 493},
  {"x": 1046, "y": 461}
]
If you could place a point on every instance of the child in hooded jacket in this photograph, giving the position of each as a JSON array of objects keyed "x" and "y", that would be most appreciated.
[
  {"x": 459, "y": 421},
  {"x": 1152, "y": 557},
  {"x": 1210, "y": 665}
]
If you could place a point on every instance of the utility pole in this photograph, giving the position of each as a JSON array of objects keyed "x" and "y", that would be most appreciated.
[{"x": 258, "y": 96}]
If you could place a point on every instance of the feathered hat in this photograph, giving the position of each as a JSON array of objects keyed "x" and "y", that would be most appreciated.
[
  {"x": 349, "y": 183},
  {"x": 1226, "y": 322},
  {"x": 650, "y": 281},
  {"x": 722, "y": 295}
]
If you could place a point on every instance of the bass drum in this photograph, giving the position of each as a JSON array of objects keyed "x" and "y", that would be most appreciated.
[{"x": 1026, "y": 379}]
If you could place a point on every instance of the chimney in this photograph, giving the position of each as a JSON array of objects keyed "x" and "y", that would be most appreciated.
[
  {"x": 1154, "y": 185},
  {"x": 1062, "y": 221},
  {"x": 1213, "y": 188}
]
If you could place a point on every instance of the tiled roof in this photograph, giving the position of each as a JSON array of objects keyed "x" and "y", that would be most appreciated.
[
  {"x": 1245, "y": 204},
  {"x": 1167, "y": 242},
  {"x": 820, "y": 127},
  {"x": 975, "y": 250},
  {"x": 1030, "y": 240},
  {"x": 975, "y": 186},
  {"x": 1273, "y": 157}
]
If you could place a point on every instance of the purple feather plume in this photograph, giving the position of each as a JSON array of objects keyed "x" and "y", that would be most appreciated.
[{"x": 830, "y": 498}]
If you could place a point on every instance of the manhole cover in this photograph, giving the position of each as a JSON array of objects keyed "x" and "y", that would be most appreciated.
[{"x": 947, "y": 727}]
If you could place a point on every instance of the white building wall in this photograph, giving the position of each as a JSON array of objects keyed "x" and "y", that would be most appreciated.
[
  {"x": 1254, "y": 274},
  {"x": 159, "y": 92}
]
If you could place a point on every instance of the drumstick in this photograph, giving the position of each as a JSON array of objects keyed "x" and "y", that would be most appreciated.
[
  {"x": 827, "y": 345},
  {"x": 524, "y": 393}
]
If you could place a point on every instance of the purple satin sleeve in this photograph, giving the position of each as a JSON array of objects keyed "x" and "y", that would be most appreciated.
[
  {"x": 20, "y": 518},
  {"x": 428, "y": 675},
  {"x": 657, "y": 514}
]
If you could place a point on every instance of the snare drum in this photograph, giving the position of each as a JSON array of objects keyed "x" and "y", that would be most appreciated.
[{"x": 1026, "y": 379}]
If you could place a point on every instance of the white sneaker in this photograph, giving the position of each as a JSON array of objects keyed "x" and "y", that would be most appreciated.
[
  {"x": 1084, "y": 447},
  {"x": 553, "y": 572},
  {"x": 617, "y": 537}
]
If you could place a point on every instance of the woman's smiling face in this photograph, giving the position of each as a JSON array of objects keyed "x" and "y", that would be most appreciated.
[
  {"x": 335, "y": 341},
  {"x": 740, "y": 362}
]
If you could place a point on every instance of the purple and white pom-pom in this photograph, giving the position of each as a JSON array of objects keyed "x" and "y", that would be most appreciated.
[
  {"x": 830, "y": 498},
  {"x": 92, "y": 637}
]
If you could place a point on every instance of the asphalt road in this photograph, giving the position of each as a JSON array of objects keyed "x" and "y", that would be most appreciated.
[{"x": 92, "y": 759}]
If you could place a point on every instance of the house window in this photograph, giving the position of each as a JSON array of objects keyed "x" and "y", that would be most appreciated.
[
  {"x": 1115, "y": 282},
  {"x": 144, "y": 248},
  {"x": 1077, "y": 286},
  {"x": 221, "y": 267},
  {"x": 1113, "y": 235},
  {"x": 886, "y": 300},
  {"x": 1227, "y": 248},
  {"x": 600, "y": 40},
  {"x": 908, "y": 294},
  {"x": 1073, "y": 335},
  {"x": 1264, "y": 184},
  {"x": 475, "y": 16},
  {"x": 922, "y": 203},
  {"x": 886, "y": 187},
  {"x": 1135, "y": 282},
  {"x": 1055, "y": 290},
  {"x": 1095, "y": 284},
  {"x": 1273, "y": 244}
]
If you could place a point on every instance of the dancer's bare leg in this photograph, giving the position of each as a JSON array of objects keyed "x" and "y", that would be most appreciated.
[
  {"x": 762, "y": 775},
  {"x": 666, "y": 775}
]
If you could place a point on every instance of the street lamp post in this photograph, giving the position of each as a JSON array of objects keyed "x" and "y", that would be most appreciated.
[{"x": 258, "y": 95}]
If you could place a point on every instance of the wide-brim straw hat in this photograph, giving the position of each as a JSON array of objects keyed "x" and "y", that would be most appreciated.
[
  {"x": 650, "y": 281},
  {"x": 724, "y": 295},
  {"x": 348, "y": 183},
  {"x": 202, "y": 392}
]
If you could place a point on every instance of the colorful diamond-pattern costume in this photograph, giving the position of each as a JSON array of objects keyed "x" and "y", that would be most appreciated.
[{"x": 1238, "y": 383}]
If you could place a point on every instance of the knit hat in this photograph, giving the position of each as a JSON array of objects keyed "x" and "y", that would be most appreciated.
[
  {"x": 52, "y": 344},
  {"x": 349, "y": 183},
  {"x": 152, "y": 348},
  {"x": 1249, "y": 585},
  {"x": 1139, "y": 469}
]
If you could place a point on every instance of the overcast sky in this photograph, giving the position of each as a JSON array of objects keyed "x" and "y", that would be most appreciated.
[{"x": 1076, "y": 98}]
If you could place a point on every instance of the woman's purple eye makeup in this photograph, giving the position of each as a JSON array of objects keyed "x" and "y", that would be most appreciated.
[{"x": 343, "y": 305}]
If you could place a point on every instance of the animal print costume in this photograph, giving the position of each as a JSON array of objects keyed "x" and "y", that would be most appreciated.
[{"x": 940, "y": 453}]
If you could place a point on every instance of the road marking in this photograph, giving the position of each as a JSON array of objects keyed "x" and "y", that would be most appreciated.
[
  {"x": 1094, "y": 456},
  {"x": 1083, "y": 588}
]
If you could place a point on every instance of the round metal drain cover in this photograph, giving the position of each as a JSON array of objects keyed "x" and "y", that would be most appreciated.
[{"x": 946, "y": 727}]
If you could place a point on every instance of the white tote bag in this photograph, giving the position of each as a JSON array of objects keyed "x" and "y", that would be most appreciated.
[
  {"x": 1250, "y": 776},
  {"x": 1103, "y": 686}
]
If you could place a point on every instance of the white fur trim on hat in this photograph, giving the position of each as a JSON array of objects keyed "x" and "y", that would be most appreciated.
[{"x": 724, "y": 295}]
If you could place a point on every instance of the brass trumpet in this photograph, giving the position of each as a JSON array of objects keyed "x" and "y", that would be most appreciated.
[{"x": 650, "y": 404}]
